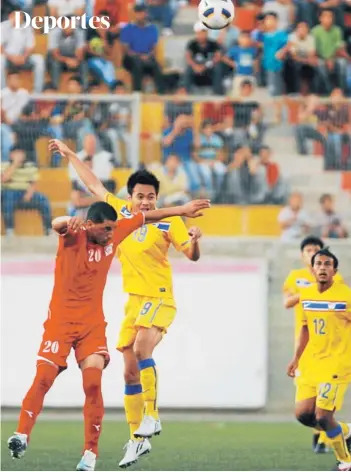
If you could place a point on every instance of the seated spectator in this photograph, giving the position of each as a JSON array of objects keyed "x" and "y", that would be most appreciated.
[
  {"x": 226, "y": 37},
  {"x": 242, "y": 59},
  {"x": 310, "y": 11},
  {"x": 285, "y": 11},
  {"x": 13, "y": 100},
  {"x": 221, "y": 115},
  {"x": 102, "y": 161},
  {"x": 97, "y": 49},
  {"x": 330, "y": 51},
  {"x": 301, "y": 61},
  {"x": 244, "y": 184},
  {"x": 18, "y": 179},
  {"x": 173, "y": 179},
  {"x": 309, "y": 115},
  {"x": 117, "y": 11},
  {"x": 81, "y": 198},
  {"x": 293, "y": 219},
  {"x": 178, "y": 106},
  {"x": 140, "y": 40},
  {"x": 17, "y": 47},
  {"x": 203, "y": 57},
  {"x": 161, "y": 11},
  {"x": 210, "y": 156},
  {"x": 66, "y": 52},
  {"x": 276, "y": 190},
  {"x": 178, "y": 139},
  {"x": 66, "y": 8},
  {"x": 273, "y": 41},
  {"x": 330, "y": 223}
]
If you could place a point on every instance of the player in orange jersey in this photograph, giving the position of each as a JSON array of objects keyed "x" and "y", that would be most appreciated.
[{"x": 76, "y": 319}]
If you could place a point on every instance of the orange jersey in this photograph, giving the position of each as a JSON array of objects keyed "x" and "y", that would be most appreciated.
[{"x": 81, "y": 272}]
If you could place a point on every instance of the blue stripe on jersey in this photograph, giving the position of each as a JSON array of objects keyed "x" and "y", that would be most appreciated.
[
  {"x": 313, "y": 305},
  {"x": 162, "y": 226}
]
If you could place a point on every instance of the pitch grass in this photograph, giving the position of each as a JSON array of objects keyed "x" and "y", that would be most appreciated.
[{"x": 56, "y": 445}]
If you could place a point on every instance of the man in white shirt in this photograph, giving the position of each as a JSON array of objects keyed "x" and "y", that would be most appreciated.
[
  {"x": 17, "y": 47},
  {"x": 13, "y": 100},
  {"x": 293, "y": 219}
]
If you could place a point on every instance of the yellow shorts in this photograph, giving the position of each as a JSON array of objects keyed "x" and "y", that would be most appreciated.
[
  {"x": 329, "y": 396},
  {"x": 146, "y": 312}
]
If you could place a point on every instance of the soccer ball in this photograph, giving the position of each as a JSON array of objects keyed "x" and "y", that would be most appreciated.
[{"x": 216, "y": 14}]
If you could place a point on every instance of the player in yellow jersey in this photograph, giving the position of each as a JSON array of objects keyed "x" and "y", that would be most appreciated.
[
  {"x": 296, "y": 280},
  {"x": 150, "y": 310},
  {"x": 326, "y": 332}
]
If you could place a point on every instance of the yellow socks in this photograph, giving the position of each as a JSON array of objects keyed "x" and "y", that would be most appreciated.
[
  {"x": 337, "y": 442},
  {"x": 148, "y": 377},
  {"x": 323, "y": 438},
  {"x": 133, "y": 405}
]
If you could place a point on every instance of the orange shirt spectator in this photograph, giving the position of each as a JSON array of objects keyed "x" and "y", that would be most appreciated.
[
  {"x": 117, "y": 10},
  {"x": 220, "y": 114}
]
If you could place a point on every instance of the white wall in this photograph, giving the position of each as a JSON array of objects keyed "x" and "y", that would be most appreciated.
[{"x": 215, "y": 354}]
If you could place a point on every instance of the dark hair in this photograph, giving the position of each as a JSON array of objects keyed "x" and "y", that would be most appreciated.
[
  {"x": 101, "y": 211},
  {"x": 260, "y": 17},
  {"x": 325, "y": 252},
  {"x": 246, "y": 83},
  {"x": 17, "y": 147},
  {"x": 143, "y": 177},
  {"x": 311, "y": 241},
  {"x": 245, "y": 33},
  {"x": 76, "y": 78},
  {"x": 49, "y": 86},
  {"x": 94, "y": 83},
  {"x": 206, "y": 123},
  {"x": 271, "y": 13},
  {"x": 326, "y": 10},
  {"x": 13, "y": 71},
  {"x": 118, "y": 83},
  {"x": 265, "y": 148},
  {"x": 103, "y": 13},
  {"x": 325, "y": 196}
]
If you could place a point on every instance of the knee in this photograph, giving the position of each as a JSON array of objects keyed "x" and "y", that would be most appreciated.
[
  {"x": 306, "y": 418},
  {"x": 322, "y": 421},
  {"x": 131, "y": 377},
  {"x": 91, "y": 386}
]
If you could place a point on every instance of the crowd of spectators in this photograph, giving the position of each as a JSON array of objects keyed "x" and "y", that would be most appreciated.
[{"x": 297, "y": 47}]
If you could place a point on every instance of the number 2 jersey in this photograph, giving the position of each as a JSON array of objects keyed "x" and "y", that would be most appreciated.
[
  {"x": 81, "y": 271},
  {"x": 328, "y": 317},
  {"x": 146, "y": 270}
]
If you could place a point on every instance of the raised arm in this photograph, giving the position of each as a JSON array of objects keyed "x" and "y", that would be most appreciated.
[
  {"x": 85, "y": 174},
  {"x": 64, "y": 224}
]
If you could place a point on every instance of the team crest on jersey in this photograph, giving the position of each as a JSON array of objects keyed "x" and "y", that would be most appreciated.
[
  {"x": 303, "y": 283},
  {"x": 109, "y": 249},
  {"x": 126, "y": 213}
]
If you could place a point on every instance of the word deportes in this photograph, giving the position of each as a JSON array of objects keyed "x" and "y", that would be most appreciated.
[{"x": 48, "y": 23}]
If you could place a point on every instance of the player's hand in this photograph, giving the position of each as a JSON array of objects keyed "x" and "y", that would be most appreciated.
[
  {"x": 195, "y": 234},
  {"x": 55, "y": 145},
  {"x": 292, "y": 367},
  {"x": 193, "y": 208},
  {"x": 75, "y": 224}
]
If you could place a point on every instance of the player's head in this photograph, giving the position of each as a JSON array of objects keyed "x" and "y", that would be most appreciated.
[
  {"x": 143, "y": 188},
  {"x": 309, "y": 247},
  {"x": 324, "y": 265},
  {"x": 101, "y": 221},
  {"x": 244, "y": 39}
]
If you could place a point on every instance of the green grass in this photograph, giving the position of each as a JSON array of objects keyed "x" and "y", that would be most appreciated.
[{"x": 56, "y": 445}]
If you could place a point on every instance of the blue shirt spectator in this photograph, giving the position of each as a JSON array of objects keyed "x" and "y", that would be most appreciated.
[
  {"x": 244, "y": 59},
  {"x": 272, "y": 42},
  {"x": 182, "y": 144},
  {"x": 209, "y": 146},
  {"x": 140, "y": 39}
]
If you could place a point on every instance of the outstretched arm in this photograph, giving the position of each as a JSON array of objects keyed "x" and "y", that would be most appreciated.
[
  {"x": 190, "y": 210},
  {"x": 85, "y": 174}
]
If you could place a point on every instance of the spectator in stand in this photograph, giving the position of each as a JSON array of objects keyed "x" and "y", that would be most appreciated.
[
  {"x": 178, "y": 106},
  {"x": 301, "y": 61},
  {"x": 310, "y": 113},
  {"x": 161, "y": 11},
  {"x": 66, "y": 52},
  {"x": 285, "y": 11},
  {"x": 244, "y": 184},
  {"x": 140, "y": 40},
  {"x": 17, "y": 47},
  {"x": 209, "y": 154},
  {"x": 330, "y": 51},
  {"x": 203, "y": 57},
  {"x": 338, "y": 132},
  {"x": 117, "y": 11},
  {"x": 276, "y": 190},
  {"x": 221, "y": 115},
  {"x": 330, "y": 223},
  {"x": 293, "y": 219},
  {"x": 66, "y": 8},
  {"x": 273, "y": 41},
  {"x": 18, "y": 179},
  {"x": 13, "y": 100},
  {"x": 97, "y": 49},
  {"x": 242, "y": 59},
  {"x": 310, "y": 10},
  {"x": 178, "y": 139},
  {"x": 257, "y": 36},
  {"x": 81, "y": 198},
  {"x": 174, "y": 185},
  {"x": 226, "y": 37}
]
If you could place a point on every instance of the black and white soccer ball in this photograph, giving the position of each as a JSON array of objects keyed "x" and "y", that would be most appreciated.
[{"x": 216, "y": 14}]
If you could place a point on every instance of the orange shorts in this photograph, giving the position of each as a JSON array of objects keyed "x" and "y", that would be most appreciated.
[{"x": 60, "y": 338}]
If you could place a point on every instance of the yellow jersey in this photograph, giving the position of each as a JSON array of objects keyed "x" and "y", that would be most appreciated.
[
  {"x": 328, "y": 318},
  {"x": 146, "y": 270}
]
